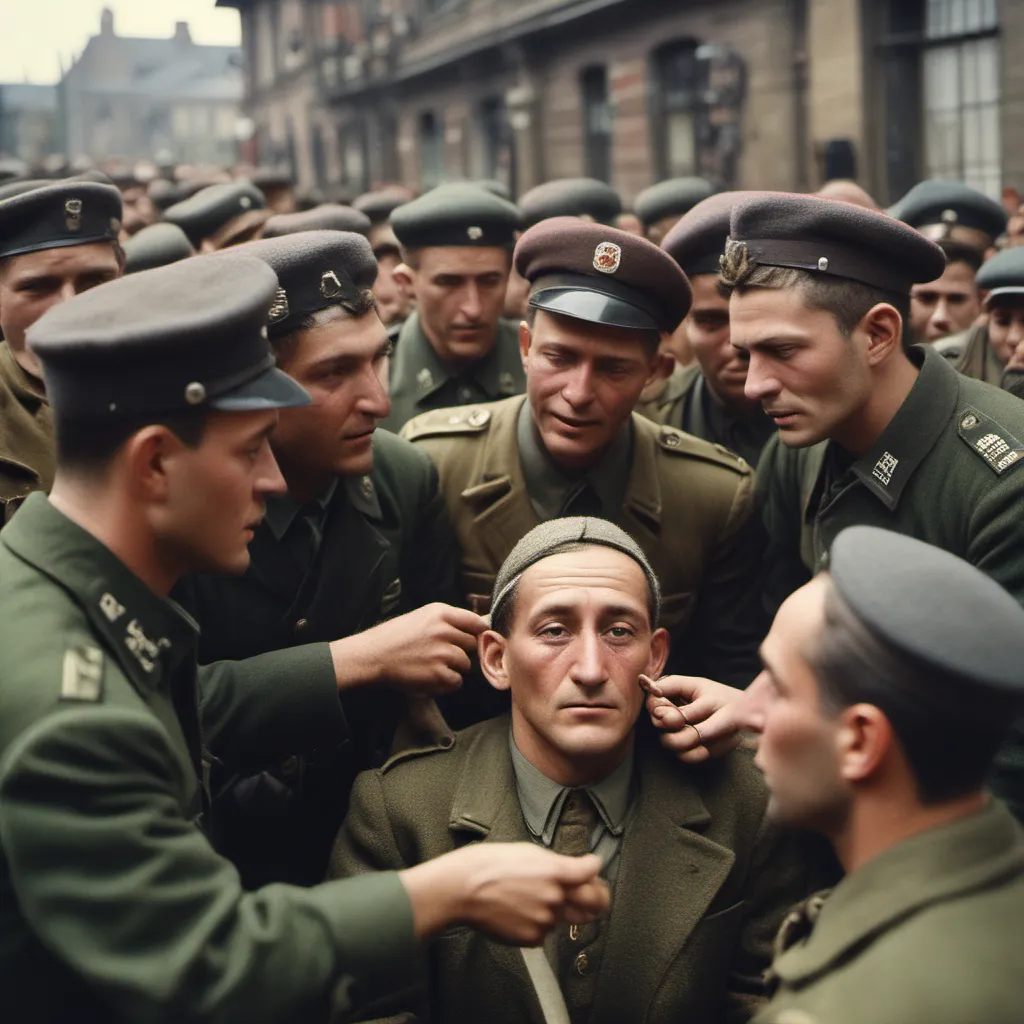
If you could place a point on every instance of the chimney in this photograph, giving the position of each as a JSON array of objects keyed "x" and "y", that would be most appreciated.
[
  {"x": 107, "y": 22},
  {"x": 181, "y": 32}
]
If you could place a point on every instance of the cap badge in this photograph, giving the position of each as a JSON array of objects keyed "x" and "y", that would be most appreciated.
[
  {"x": 194, "y": 393},
  {"x": 607, "y": 257},
  {"x": 279, "y": 307},
  {"x": 475, "y": 233},
  {"x": 950, "y": 216},
  {"x": 823, "y": 264},
  {"x": 330, "y": 286},
  {"x": 73, "y": 214},
  {"x": 244, "y": 202}
]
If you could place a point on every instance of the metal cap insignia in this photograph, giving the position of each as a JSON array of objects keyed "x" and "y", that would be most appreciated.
[
  {"x": 73, "y": 214},
  {"x": 330, "y": 286},
  {"x": 279, "y": 307},
  {"x": 607, "y": 257},
  {"x": 194, "y": 393},
  {"x": 475, "y": 233},
  {"x": 950, "y": 216}
]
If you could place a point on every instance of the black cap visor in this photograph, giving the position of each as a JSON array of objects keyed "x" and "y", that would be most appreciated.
[
  {"x": 272, "y": 389},
  {"x": 1014, "y": 293}
]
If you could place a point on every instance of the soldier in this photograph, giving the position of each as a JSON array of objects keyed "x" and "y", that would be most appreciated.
[
  {"x": 218, "y": 216},
  {"x": 55, "y": 241},
  {"x": 587, "y": 198},
  {"x": 879, "y": 710},
  {"x": 984, "y": 351},
  {"x": 362, "y": 536},
  {"x": 951, "y": 211},
  {"x": 870, "y": 432},
  {"x": 950, "y": 304},
  {"x": 660, "y": 206},
  {"x": 707, "y": 398},
  {"x": 379, "y": 205},
  {"x": 575, "y": 617},
  {"x": 114, "y": 905},
  {"x": 600, "y": 302},
  {"x": 455, "y": 348}
]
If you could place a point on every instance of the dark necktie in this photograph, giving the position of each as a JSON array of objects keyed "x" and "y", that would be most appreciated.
[
  {"x": 583, "y": 501},
  {"x": 304, "y": 535}
]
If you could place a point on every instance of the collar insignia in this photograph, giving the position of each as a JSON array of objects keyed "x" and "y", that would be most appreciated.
[
  {"x": 885, "y": 467},
  {"x": 111, "y": 607}
]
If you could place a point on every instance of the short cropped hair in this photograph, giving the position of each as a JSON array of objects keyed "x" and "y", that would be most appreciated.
[
  {"x": 958, "y": 252},
  {"x": 948, "y": 741},
  {"x": 848, "y": 301}
]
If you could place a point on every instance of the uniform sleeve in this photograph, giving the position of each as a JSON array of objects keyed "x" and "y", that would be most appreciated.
[
  {"x": 271, "y": 706},
  {"x": 779, "y": 507},
  {"x": 117, "y": 884},
  {"x": 729, "y": 622}
]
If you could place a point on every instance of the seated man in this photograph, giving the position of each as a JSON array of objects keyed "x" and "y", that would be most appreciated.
[{"x": 698, "y": 883}]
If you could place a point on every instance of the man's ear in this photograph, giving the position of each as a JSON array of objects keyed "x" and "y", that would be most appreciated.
[
  {"x": 525, "y": 340},
  {"x": 491, "y": 647},
  {"x": 661, "y": 367},
  {"x": 660, "y": 643},
  {"x": 149, "y": 455},
  {"x": 864, "y": 740},
  {"x": 883, "y": 326},
  {"x": 405, "y": 280}
]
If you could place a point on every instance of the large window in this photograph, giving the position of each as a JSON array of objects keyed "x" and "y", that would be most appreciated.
[
  {"x": 675, "y": 100},
  {"x": 597, "y": 123},
  {"x": 961, "y": 93}
]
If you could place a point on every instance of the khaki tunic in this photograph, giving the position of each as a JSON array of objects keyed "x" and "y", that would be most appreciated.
[
  {"x": 930, "y": 931},
  {"x": 27, "y": 457},
  {"x": 687, "y": 503},
  {"x": 971, "y": 354}
]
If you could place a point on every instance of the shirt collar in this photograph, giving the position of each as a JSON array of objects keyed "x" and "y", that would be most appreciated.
[
  {"x": 148, "y": 634},
  {"x": 887, "y": 468},
  {"x": 548, "y": 486},
  {"x": 542, "y": 798},
  {"x": 283, "y": 508}
]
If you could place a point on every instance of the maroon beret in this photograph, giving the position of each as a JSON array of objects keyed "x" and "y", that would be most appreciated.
[
  {"x": 697, "y": 240},
  {"x": 602, "y": 275}
]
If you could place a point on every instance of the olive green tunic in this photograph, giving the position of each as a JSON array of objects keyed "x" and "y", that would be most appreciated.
[
  {"x": 27, "y": 458},
  {"x": 971, "y": 353},
  {"x": 113, "y": 904},
  {"x": 421, "y": 382},
  {"x": 947, "y": 470},
  {"x": 930, "y": 931}
]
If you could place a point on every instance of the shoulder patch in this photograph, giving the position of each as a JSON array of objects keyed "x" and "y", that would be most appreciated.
[
  {"x": 468, "y": 419},
  {"x": 989, "y": 440},
  {"x": 412, "y": 753},
  {"x": 678, "y": 442},
  {"x": 82, "y": 676}
]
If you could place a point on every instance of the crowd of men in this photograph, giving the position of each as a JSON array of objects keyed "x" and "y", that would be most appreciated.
[{"x": 453, "y": 608}]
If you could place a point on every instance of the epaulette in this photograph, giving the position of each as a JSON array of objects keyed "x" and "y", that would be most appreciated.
[
  {"x": 678, "y": 442},
  {"x": 989, "y": 440},
  {"x": 444, "y": 744},
  {"x": 463, "y": 419}
]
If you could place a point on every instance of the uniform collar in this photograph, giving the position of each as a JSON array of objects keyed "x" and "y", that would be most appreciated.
[
  {"x": 548, "y": 486},
  {"x": 27, "y": 389},
  {"x": 148, "y": 635},
  {"x": 930, "y": 868},
  {"x": 887, "y": 468},
  {"x": 542, "y": 798},
  {"x": 283, "y": 508}
]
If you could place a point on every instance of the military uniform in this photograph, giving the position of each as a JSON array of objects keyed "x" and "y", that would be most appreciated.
[
  {"x": 113, "y": 904},
  {"x": 688, "y": 503},
  {"x": 950, "y": 210},
  {"x": 686, "y": 403},
  {"x": 420, "y": 382},
  {"x": 971, "y": 353},
  {"x": 700, "y": 883},
  {"x": 386, "y": 549}
]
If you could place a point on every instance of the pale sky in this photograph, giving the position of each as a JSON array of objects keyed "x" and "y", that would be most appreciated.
[{"x": 35, "y": 35}]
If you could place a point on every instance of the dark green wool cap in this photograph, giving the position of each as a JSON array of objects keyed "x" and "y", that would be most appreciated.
[
  {"x": 212, "y": 207},
  {"x": 188, "y": 336},
  {"x": 697, "y": 240},
  {"x": 940, "y": 208},
  {"x": 455, "y": 215},
  {"x": 315, "y": 270},
  {"x": 602, "y": 275},
  {"x": 1003, "y": 274},
  {"x": 821, "y": 236},
  {"x": 156, "y": 246},
  {"x": 899, "y": 587},
  {"x": 559, "y": 535},
  {"x": 671, "y": 198},
  {"x": 381, "y": 203},
  {"x": 57, "y": 215},
  {"x": 570, "y": 197},
  {"x": 325, "y": 217}
]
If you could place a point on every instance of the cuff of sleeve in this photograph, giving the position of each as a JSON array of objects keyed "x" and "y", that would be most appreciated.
[{"x": 371, "y": 919}]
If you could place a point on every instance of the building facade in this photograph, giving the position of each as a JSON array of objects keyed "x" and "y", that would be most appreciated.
[
  {"x": 126, "y": 98},
  {"x": 777, "y": 94},
  {"x": 29, "y": 123}
]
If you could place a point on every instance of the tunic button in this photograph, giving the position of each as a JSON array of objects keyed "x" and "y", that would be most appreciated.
[
  {"x": 302, "y": 625},
  {"x": 582, "y": 963},
  {"x": 465, "y": 395}
]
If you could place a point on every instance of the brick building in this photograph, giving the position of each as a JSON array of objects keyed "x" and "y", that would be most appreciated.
[{"x": 752, "y": 93}]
